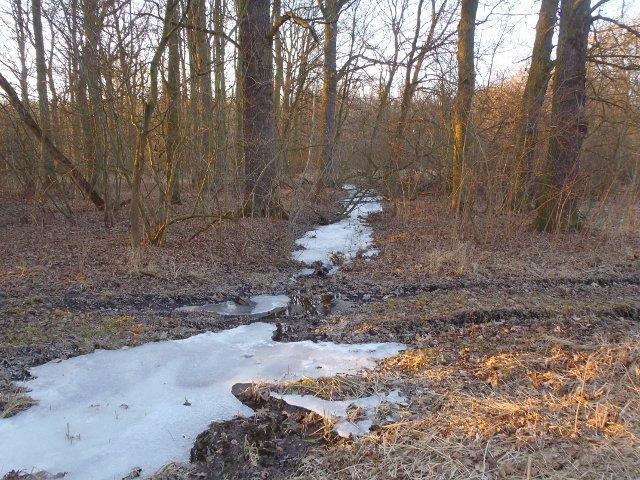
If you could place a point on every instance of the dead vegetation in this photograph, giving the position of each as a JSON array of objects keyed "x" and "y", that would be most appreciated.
[{"x": 520, "y": 398}]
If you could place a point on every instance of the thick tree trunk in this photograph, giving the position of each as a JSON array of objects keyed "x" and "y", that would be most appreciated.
[
  {"x": 41, "y": 84},
  {"x": 48, "y": 147},
  {"x": 464, "y": 97},
  {"x": 558, "y": 207},
  {"x": 331, "y": 13},
  {"x": 258, "y": 124},
  {"x": 532, "y": 100}
]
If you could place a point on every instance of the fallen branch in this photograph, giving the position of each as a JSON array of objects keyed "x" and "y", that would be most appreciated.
[{"x": 48, "y": 145}]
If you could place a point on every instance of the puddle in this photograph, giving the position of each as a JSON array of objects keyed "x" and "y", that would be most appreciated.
[
  {"x": 338, "y": 410},
  {"x": 339, "y": 242},
  {"x": 257, "y": 306},
  {"x": 101, "y": 415}
]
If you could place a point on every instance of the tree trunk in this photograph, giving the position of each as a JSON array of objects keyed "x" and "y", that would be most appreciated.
[
  {"x": 47, "y": 145},
  {"x": 138, "y": 219},
  {"x": 220, "y": 118},
  {"x": 173, "y": 115},
  {"x": 464, "y": 97},
  {"x": 532, "y": 100},
  {"x": 258, "y": 124},
  {"x": 558, "y": 207},
  {"x": 201, "y": 57},
  {"x": 330, "y": 12},
  {"x": 41, "y": 80},
  {"x": 30, "y": 167}
]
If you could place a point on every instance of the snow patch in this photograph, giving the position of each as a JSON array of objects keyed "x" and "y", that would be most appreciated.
[
  {"x": 101, "y": 415},
  {"x": 257, "y": 306},
  {"x": 337, "y": 410},
  {"x": 346, "y": 237}
]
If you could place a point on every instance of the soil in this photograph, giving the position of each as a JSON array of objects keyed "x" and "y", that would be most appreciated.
[{"x": 459, "y": 298}]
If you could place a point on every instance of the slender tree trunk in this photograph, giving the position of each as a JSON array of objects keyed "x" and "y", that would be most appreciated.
[
  {"x": 30, "y": 167},
  {"x": 48, "y": 147},
  {"x": 220, "y": 119},
  {"x": 278, "y": 81},
  {"x": 98, "y": 120},
  {"x": 331, "y": 12},
  {"x": 532, "y": 100},
  {"x": 173, "y": 115},
  {"x": 138, "y": 218},
  {"x": 41, "y": 79},
  {"x": 258, "y": 123},
  {"x": 464, "y": 97},
  {"x": 558, "y": 208},
  {"x": 201, "y": 57}
]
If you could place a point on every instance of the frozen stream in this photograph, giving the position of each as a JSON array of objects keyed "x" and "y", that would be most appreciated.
[
  {"x": 344, "y": 239},
  {"x": 101, "y": 415},
  {"x": 330, "y": 245}
]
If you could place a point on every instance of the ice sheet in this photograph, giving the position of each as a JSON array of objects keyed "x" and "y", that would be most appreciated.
[
  {"x": 101, "y": 415},
  {"x": 337, "y": 410},
  {"x": 346, "y": 237},
  {"x": 258, "y": 306}
]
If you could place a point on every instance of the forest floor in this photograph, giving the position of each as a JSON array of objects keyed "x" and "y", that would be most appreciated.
[{"x": 523, "y": 349}]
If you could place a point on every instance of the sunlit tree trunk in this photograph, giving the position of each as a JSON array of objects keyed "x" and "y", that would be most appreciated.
[
  {"x": 41, "y": 84},
  {"x": 331, "y": 13},
  {"x": 203, "y": 108},
  {"x": 30, "y": 167},
  {"x": 464, "y": 97},
  {"x": 532, "y": 100},
  {"x": 558, "y": 207}
]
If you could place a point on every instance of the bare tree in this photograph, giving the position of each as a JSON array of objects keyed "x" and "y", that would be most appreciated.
[
  {"x": 41, "y": 77},
  {"x": 331, "y": 10},
  {"x": 532, "y": 100},
  {"x": 464, "y": 97},
  {"x": 558, "y": 208}
]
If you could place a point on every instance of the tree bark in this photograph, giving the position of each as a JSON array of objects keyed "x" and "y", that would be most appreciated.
[
  {"x": 331, "y": 13},
  {"x": 90, "y": 78},
  {"x": 201, "y": 61},
  {"x": 464, "y": 97},
  {"x": 47, "y": 145},
  {"x": 532, "y": 100},
  {"x": 258, "y": 123},
  {"x": 30, "y": 166},
  {"x": 558, "y": 205},
  {"x": 172, "y": 139},
  {"x": 41, "y": 84}
]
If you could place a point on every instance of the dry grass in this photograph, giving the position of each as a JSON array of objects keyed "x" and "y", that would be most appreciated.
[
  {"x": 420, "y": 239},
  {"x": 501, "y": 400},
  {"x": 13, "y": 401}
]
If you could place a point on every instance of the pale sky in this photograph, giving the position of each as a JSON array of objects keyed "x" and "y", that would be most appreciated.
[{"x": 504, "y": 36}]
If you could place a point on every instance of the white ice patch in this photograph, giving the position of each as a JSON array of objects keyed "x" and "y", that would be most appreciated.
[
  {"x": 346, "y": 237},
  {"x": 258, "y": 305},
  {"x": 103, "y": 414},
  {"x": 337, "y": 410}
]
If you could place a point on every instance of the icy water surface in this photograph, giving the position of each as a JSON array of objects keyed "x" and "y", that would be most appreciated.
[
  {"x": 341, "y": 241},
  {"x": 257, "y": 306},
  {"x": 101, "y": 415}
]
